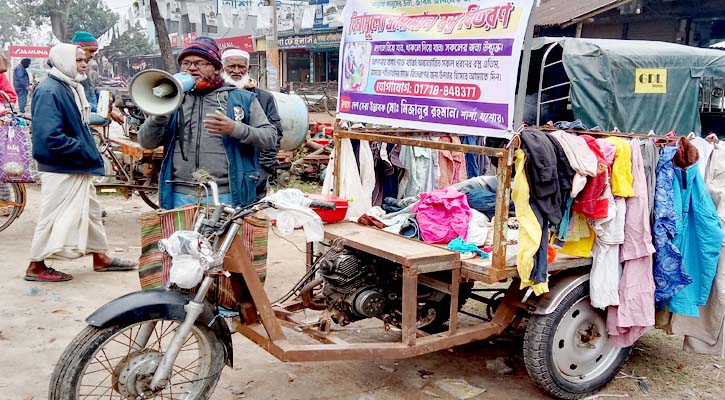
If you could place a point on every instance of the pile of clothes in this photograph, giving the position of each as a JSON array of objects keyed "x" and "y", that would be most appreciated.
[{"x": 647, "y": 211}]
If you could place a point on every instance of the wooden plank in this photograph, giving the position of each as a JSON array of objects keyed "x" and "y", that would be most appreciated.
[
  {"x": 410, "y": 306},
  {"x": 500, "y": 219},
  {"x": 482, "y": 269},
  {"x": 261, "y": 301},
  {"x": 455, "y": 285},
  {"x": 389, "y": 246},
  {"x": 385, "y": 137},
  {"x": 434, "y": 284},
  {"x": 384, "y": 351},
  {"x": 438, "y": 266}
]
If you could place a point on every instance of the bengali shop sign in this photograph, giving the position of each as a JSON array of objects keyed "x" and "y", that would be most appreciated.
[{"x": 439, "y": 65}]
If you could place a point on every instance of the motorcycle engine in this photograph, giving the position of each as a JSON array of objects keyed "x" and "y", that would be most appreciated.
[{"x": 352, "y": 287}]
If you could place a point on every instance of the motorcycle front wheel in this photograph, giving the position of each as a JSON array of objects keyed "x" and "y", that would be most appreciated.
[{"x": 116, "y": 362}]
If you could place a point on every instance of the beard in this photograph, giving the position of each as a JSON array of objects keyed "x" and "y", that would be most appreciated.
[{"x": 241, "y": 83}]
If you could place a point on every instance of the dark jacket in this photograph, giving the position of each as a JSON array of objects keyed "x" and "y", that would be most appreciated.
[
  {"x": 240, "y": 154},
  {"x": 267, "y": 158},
  {"x": 565, "y": 173},
  {"x": 21, "y": 79},
  {"x": 62, "y": 142},
  {"x": 543, "y": 174}
]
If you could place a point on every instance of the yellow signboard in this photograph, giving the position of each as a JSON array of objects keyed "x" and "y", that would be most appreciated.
[{"x": 650, "y": 80}]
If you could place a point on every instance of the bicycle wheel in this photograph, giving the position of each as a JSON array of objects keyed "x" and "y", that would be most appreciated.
[{"x": 12, "y": 203}]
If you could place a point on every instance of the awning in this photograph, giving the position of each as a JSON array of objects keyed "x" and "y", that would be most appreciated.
[{"x": 567, "y": 12}]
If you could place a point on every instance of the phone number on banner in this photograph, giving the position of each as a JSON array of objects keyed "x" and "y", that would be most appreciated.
[{"x": 458, "y": 91}]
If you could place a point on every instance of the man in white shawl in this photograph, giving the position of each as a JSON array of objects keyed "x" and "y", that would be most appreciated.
[
  {"x": 70, "y": 224},
  {"x": 236, "y": 72}
]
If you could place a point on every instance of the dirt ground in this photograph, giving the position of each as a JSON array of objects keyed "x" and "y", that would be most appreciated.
[{"x": 38, "y": 320}]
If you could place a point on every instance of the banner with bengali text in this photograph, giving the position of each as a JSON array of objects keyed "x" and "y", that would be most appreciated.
[{"x": 438, "y": 65}]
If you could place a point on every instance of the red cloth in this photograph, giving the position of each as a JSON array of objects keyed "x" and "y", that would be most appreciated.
[
  {"x": 6, "y": 87},
  {"x": 590, "y": 202}
]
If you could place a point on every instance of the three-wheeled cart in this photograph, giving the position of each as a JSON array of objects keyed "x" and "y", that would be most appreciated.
[{"x": 420, "y": 288}]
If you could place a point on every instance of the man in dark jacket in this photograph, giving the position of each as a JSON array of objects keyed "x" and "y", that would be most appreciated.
[
  {"x": 218, "y": 129},
  {"x": 21, "y": 83},
  {"x": 236, "y": 72},
  {"x": 70, "y": 224}
]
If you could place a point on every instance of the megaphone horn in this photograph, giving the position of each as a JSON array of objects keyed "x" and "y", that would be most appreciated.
[{"x": 157, "y": 92}]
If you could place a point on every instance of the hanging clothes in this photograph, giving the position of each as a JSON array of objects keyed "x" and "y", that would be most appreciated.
[
  {"x": 590, "y": 202},
  {"x": 452, "y": 164},
  {"x": 636, "y": 311},
  {"x": 542, "y": 169},
  {"x": 580, "y": 238},
  {"x": 704, "y": 335},
  {"x": 580, "y": 157},
  {"x": 609, "y": 231},
  {"x": 668, "y": 273},
  {"x": 383, "y": 169},
  {"x": 606, "y": 269},
  {"x": 622, "y": 178},
  {"x": 356, "y": 184},
  {"x": 650, "y": 157},
  {"x": 705, "y": 149},
  {"x": 530, "y": 231},
  {"x": 699, "y": 234},
  {"x": 422, "y": 170}
]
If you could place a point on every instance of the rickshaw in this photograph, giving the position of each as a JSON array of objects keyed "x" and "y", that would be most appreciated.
[{"x": 174, "y": 344}]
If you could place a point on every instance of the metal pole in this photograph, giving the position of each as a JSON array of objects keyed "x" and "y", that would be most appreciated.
[
  {"x": 273, "y": 52},
  {"x": 524, "y": 75}
]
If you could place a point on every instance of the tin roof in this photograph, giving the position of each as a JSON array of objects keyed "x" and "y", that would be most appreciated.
[{"x": 559, "y": 12}]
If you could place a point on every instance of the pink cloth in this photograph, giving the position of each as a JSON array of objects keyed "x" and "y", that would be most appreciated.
[
  {"x": 443, "y": 215},
  {"x": 6, "y": 87},
  {"x": 636, "y": 310},
  {"x": 608, "y": 150},
  {"x": 452, "y": 164}
]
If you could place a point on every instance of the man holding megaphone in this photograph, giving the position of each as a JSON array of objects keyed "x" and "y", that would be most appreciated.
[{"x": 217, "y": 129}]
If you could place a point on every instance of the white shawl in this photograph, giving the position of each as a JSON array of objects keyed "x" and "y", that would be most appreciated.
[{"x": 63, "y": 58}]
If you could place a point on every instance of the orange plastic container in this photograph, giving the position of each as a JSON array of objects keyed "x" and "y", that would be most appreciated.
[{"x": 336, "y": 215}]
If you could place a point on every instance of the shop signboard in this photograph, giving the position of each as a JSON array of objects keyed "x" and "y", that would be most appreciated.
[
  {"x": 29, "y": 51},
  {"x": 438, "y": 65},
  {"x": 240, "y": 42},
  {"x": 295, "y": 42},
  {"x": 330, "y": 40}
]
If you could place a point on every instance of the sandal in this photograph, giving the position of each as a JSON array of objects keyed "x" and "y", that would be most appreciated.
[
  {"x": 117, "y": 264},
  {"x": 49, "y": 275}
]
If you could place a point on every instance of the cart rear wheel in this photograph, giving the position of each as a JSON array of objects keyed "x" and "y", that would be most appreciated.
[{"x": 568, "y": 352}]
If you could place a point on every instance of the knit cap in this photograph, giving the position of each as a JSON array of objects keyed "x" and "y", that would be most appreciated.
[
  {"x": 204, "y": 47},
  {"x": 84, "y": 39}
]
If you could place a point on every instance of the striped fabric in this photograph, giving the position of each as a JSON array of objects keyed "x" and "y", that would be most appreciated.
[{"x": 154, "y": 265}]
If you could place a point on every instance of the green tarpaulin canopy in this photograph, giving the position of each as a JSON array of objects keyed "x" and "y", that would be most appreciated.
[{"x": 636, "y": 86}]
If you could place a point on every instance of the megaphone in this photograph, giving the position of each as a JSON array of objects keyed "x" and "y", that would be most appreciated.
[{"x": 157, "y": 92}]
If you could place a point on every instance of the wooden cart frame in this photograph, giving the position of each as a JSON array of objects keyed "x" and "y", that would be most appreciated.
[{"x": 262, "y": 322}]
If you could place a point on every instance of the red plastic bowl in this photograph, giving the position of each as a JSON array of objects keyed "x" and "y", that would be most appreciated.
[{"x": 336, "y": 215}]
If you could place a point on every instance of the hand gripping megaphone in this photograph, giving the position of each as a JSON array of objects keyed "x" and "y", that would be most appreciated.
[{"x": 157, "y": 92}]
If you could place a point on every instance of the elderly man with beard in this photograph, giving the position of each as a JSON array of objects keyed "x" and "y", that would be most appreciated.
[
  {"x": 236, "y": 72},
  {"x": 217, "y": 129},
  {"x": 70, "y": 224}
]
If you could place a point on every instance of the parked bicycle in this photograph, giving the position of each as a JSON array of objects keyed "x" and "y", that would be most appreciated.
[
  {"x": 12, "y": 203},
  {"x": 12, "y": 194}
]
